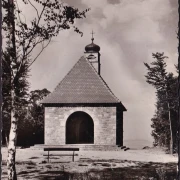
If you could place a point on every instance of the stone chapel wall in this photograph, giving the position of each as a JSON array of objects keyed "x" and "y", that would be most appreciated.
[{"x": 104, "y": 119}]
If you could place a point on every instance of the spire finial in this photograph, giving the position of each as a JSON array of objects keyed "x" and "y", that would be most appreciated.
[{"x": 92, "y": 36}]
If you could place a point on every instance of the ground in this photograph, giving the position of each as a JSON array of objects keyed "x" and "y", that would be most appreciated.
[{"x": 150, "y": 163}]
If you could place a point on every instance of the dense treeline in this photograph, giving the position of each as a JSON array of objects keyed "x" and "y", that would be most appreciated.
[{"x": 31, "y": 119}]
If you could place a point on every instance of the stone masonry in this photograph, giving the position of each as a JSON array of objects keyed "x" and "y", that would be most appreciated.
[{"x": 106, "y": 128}]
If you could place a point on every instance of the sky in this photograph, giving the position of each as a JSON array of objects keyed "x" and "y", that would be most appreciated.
[{"x": 128, "y": 32}]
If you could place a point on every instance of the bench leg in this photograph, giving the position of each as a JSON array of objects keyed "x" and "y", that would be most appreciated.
[
  {"x": 48, "y": 156},
  {"x": 73, "y": 157}
]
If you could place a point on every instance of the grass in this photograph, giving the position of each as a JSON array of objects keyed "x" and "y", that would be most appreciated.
[
  {"x": 95, "y": 170},
  {"x": 32, "y": 165},
  {"x": 109, "y": 172}
]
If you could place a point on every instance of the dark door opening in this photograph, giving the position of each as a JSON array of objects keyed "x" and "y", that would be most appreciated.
[{"x": 79, "y": 129}]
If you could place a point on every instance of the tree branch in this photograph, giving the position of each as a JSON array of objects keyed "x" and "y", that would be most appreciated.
[
  {"x": 34, "y": 8},
  {"x": 30, "y": 40},
  {"x": 3, "y": 59},
  {"x": 43, "y": 47}
]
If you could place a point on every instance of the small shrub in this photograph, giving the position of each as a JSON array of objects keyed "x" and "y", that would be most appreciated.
[
  {"x": 82, "y": 165},
  {"x": 34, "y": 158},
  {"x": 49, "y": 166},
  {"x": 106, "y": 164},
  {"x": 29, "y": 167},
  {"x": 43, "y": 162}
]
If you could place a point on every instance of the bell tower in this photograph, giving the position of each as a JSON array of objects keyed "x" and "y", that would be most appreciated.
[{"x": 93, "y": 55}]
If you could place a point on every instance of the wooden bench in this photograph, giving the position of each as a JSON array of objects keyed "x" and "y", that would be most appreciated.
[{"x": 61, "y": 149}]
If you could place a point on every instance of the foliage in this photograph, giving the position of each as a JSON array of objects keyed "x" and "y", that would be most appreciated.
[
  {"x": 31, "y": 121},
  {"x": 36, "y": 112},
  {"x": 31, "y": 126},
  {"x": 164, "y": 122},
  {"x": 20, "y": 40},
  {"x": 20, "y": 99},
  {"x": 51, "y": 18},
  {"x": 6, "y": 92}
]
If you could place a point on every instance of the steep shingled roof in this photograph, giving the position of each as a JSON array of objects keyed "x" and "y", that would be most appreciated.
[{"x": 81, "y": 85}]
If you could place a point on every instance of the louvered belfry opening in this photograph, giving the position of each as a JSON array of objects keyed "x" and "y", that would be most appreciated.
[{"x": 79, "y": 129}]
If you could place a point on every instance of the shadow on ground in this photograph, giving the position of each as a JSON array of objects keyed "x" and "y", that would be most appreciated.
[{"x": 87, "y": 169}]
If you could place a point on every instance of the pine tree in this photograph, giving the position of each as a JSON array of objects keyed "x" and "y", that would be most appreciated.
[{"x": 164, "y": 121}]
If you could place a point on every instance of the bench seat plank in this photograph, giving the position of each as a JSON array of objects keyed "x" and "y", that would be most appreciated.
[{"x": 61, "y": 149}]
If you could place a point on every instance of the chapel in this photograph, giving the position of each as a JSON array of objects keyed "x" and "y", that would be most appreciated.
[{"x": 82, "y": 110}]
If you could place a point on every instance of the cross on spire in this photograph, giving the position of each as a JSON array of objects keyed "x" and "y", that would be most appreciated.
[{"x": 92, "y": 36}]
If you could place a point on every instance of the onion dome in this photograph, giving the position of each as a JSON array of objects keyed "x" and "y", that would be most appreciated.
[{"x": 90, "y": 48}]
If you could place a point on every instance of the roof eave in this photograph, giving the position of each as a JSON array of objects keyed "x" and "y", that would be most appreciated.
[
  {"x": 123, "y": 107},
  {"x": 108, "y": 104}
]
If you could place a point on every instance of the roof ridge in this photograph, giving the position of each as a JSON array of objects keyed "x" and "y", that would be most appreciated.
[
  {"x": 109, "y": 88},
  {"x": 100, "y": 77},
  {"x": 69, "y": 72},
  {"x": 73, "y": 88}
]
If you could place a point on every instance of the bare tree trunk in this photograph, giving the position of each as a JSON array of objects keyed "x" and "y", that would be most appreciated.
[
  {"x": 170, "y": 126},
  {"x": 170, "y": 122},
  {"x": 171, "y": 134},
  {"x": 178, "y": 130},
  {"x": 6, "y": 139},
  {"x": 12, "y": 144},
  {"x": 13, "y": 130}
]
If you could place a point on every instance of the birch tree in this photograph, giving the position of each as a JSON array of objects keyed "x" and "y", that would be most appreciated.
[{"x": 21, "y": 39}]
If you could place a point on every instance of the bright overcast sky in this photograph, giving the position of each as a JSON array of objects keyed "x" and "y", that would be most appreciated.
[{"x": 128, "y": 32}]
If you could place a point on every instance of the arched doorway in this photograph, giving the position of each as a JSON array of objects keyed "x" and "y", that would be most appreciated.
[{"x": 79, "y": 129}]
